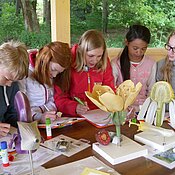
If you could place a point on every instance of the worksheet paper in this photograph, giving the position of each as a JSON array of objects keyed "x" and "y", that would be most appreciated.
[
  {"x": 75, "y": 145},
  {"x": 77, "y": 167},
  {"x": 21, "y": 165}
]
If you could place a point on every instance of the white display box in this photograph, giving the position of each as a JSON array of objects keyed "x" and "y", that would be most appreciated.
[
  {"x": 114, "y": 154},
  {"x": 155, "y": 140}
]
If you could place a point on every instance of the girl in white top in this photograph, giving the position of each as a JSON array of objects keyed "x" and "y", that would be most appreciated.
[{"x": 50, "y": 65}]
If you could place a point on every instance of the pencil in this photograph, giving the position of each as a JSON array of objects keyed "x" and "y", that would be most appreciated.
[
  {"x": 79, "y": 101},
  {"x": 47, "y": 109},
  {"x": 89, "y": 82}
]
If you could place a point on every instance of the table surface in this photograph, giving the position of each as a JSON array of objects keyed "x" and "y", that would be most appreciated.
[{"x": 138, "y": 166}]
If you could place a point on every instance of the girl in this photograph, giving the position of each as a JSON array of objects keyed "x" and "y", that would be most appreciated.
[
  {"x": 133, "y": 64},
  {"x": 14, "y": 64},
  {"x": 50, "y": 65},
  {"x": 90, "y": 66},
  {"x": 166, "y": 67}
]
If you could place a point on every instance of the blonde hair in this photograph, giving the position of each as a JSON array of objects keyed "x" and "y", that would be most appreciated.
[
  {"x": 14, "y": 57},
  {"x": 166, "y": 69},
  {"x": 57, "y": 52},
  {"x": 90, "y": 40}
]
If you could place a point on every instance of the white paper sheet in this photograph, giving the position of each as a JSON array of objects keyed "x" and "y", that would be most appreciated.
[
  {"x": 21, "y": 164},
  {"x": 75, "y": 145},
  {"x": 77, "y": 167}
]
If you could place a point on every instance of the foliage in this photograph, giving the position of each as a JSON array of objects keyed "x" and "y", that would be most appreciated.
[
  {"x": 11, "y": 25},
  {"x": 157, "y": 15},
  {"x": 36, "y": 40}
]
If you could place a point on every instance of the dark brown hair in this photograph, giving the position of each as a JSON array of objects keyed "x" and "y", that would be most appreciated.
[{"x": 135, "y": 32}]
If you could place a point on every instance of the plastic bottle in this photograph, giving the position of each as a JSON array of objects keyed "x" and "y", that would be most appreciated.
[
  {"x": 48, "y": 128},
  {"x": 4, "y": 154}
]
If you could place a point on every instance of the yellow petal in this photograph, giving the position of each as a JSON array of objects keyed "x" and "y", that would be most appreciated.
[
  {"x": 128, "y": 83},
  {"x": 132, "y": 96},
  {"x": 112, "y": 102},
  {"x": 96, "y": 101},
  {"x": 125, "y": 88},
  {"x": 138, "y": 86},
  {"x": 99, "y": 89}
]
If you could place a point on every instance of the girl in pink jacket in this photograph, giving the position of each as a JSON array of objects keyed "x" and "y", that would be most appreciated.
[
  {"x": 90, "y": 66},
  {"x": 133, "y": 64}
]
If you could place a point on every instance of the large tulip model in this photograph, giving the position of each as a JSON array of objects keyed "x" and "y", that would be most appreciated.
[{"x": 115, "y": 102}]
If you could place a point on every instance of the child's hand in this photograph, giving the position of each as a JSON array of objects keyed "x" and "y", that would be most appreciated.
[
  {"x": 4, "y": 129},
  {"x": 48, "y": 114},
  {"x": 82, "y": 109}
]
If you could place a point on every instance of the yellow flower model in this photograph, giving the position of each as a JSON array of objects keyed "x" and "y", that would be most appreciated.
[{"x": 115, "y": 103}]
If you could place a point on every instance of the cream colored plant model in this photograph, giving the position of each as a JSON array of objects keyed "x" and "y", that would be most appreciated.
[
  {"x": 153, "y": 109},
  {"x": 115, "y": 103}
]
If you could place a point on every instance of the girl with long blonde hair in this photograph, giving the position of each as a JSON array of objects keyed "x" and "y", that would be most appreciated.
[{"x": 166, "y": 67}]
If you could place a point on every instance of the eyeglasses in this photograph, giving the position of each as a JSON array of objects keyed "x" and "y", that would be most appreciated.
[{"x": 168, "y": 47}]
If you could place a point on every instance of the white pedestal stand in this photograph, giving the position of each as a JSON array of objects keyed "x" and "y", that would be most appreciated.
[
  {"x": 115, "y": 154},
  {"x": 155, "y": 140}
]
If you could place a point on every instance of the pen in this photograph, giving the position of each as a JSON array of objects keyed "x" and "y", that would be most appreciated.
[
  {"x": 58, "y": 114},
  {"x": 79, "y": 101},
  {"x": 64, "y": 125},
  {"x": 47, "y": 109}
]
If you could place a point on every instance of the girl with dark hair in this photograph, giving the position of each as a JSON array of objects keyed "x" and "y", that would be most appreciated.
[{"x": 133, "y": 64}]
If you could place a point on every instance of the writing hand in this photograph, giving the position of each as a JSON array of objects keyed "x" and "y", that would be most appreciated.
[
  {"x": 49, "y": 114},
  {"x": 82, "y": 109}
]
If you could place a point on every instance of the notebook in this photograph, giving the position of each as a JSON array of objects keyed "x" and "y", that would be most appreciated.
[{"x": 98, "y": 118}]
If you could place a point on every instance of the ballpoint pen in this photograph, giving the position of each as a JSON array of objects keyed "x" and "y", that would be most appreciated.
[{"x": 64, "y": 125}]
